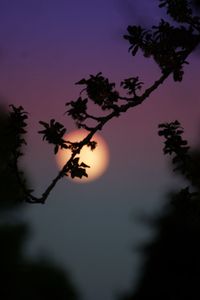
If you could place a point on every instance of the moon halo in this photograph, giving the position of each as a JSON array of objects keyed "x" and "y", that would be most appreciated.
[{"x": 97, "y": 159}]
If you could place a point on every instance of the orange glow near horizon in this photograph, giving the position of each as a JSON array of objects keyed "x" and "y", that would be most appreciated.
[{"x": 97, "y": 159}]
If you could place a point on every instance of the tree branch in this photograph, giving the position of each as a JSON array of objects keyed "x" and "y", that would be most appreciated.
[
  {"x": 157, "y": 44},
  {"x": 102, "y": 121}
]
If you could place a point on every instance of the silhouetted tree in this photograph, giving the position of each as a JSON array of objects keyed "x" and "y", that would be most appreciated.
[
  {"x": 169, "y": 44},
  {"x": 21, "y": 277},
  {"x": 172, "y": 262},
  {"x": 173, "y": 258}
]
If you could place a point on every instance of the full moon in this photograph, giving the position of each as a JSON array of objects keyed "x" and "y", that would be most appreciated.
[{"x": 97, "y": 159}]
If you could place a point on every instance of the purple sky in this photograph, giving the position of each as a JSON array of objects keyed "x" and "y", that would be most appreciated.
[{"x": 45, "y": 47}]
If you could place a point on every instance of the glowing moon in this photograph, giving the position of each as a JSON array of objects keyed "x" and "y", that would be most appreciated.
[{"x": 96, "y": 159}]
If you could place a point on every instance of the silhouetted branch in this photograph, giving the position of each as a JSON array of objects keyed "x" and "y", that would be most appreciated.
[
  {"x": 101, "y": 122},
  {"x": 169, "y": 46}
]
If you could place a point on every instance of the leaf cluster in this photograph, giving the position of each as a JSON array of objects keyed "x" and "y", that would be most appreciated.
[
  {"x": 92, "y": 145},
  {"x": 53, "y": 133},
  {"x": 167, "y": 44},
  {"x": 100, "y": 90},
  {"x": 16, "y": 128},
  {"x": 78, "y": 109},
  {"x": 179, "y": 10},
  {"x": 13, "y": 185},
  {"x": 77, "y": 169},
  {"x": 176, "y": 145},
  {"x": 132, "y": 85}
]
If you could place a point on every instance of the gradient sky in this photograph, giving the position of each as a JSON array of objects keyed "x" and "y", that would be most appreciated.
[{"x": 93, "y": 229}]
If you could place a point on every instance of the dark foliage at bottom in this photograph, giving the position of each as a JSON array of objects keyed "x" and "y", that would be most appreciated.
[
  {"x": 171, "y": 269},
  {"x": 22, "y": 277}
]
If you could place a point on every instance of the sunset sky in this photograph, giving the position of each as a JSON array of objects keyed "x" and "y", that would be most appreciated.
[{"x": 93, "y": 230}]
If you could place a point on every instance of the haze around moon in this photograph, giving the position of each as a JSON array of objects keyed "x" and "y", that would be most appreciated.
[{"x": 97, "y": 159}]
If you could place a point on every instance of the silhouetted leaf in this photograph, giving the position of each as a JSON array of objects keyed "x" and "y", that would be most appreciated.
[
  {"x": 54, "y": 133},
  {"x": 92, "y": 145},
  {"x": 84, "y": 165}
]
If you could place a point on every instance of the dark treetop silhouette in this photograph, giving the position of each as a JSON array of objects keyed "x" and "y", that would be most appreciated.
[
  {"x": 168, "y": 44},
  {"x": 172, "y": 263},
  {"x": 22, "y": 277}
]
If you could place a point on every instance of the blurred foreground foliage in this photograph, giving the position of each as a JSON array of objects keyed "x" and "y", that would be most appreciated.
[
  {"x": 171, "y": 268},
  {"x": 22, "y": 277}
]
